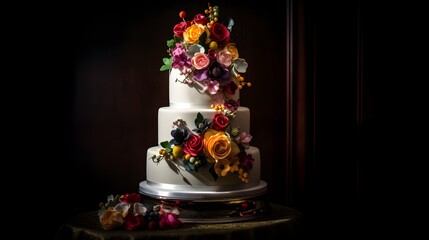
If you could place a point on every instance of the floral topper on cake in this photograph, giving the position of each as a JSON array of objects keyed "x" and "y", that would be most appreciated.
[
  {"x": 203, "y": 51},
  {"x": 212, "y": 143}
]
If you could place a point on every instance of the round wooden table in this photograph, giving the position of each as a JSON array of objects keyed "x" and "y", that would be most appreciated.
[{"x": 283, "y": 222}]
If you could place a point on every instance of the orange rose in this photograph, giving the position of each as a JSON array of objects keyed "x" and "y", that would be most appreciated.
[
  {"x": 192, "y": 34},
  {"x": 216, "y": 145}
]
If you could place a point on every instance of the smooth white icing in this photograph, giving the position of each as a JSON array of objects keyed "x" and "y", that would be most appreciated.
[
  {"x": 185, "y": 96},
  {"x": 167, "y": 115},
  {"x": 163, "y": 173},
  {"x": 185, "y": 102}
]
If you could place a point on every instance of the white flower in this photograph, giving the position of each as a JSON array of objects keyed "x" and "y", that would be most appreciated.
[
  {"x": 240, "y": 65},
  {"x": 194, "y": 49},
  {"x": 122, "y": 208},
  {"x": 139, "y": 209}
]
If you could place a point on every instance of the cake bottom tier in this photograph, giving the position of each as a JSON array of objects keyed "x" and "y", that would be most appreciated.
[{"x": 172, "y": 174}]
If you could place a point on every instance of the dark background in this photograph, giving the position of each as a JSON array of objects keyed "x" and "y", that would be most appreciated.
[{"x": 331, "y": 118}]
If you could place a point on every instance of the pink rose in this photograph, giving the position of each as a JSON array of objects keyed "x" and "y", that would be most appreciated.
[
  {"x": 219, "y": 33},
  {"x": 224, "y": 58},
  {"x": 200, "y": 61},
  {"x": 220, "y": 122},
  {"x": 180, "y": 28},
  {"x": 194, "y": 145},
  {"x": 169, "y": 220},
  {"x": 201, "y": 19},
  {"x": 245, "y": 137}
]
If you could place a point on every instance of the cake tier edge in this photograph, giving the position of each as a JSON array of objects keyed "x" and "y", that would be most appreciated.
[{"x": 160, "y": 191}]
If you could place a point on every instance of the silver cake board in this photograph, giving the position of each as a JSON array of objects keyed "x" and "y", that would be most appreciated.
[{"x": 209, "y": 206}]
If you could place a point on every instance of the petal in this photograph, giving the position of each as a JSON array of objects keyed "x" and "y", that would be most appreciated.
[
  {"x": 240, "y": 65},
  {"x": 194, "y": 49},
  {"x": 122, "y": 208},
  {"x": 139, "y": 209}
]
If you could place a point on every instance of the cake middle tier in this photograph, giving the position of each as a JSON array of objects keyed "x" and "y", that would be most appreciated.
[{"x": 167, "y": 115}]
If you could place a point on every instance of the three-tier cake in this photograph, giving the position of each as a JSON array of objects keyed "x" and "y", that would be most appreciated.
[{"x": 204, "y": 159}]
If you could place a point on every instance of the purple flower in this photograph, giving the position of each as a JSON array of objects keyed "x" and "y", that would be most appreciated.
[
  {"x": 219, "y": 73},
  {"x": 211, "y": 87},
  {"x": 200, "y": 75},
  {"x": 179, "y": 136},
  {"x": 246, "y": 161},
  {"x": 231, "y": 104},
  {"x": 180, "y": 59}
]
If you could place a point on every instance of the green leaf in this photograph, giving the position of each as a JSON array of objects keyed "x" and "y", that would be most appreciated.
[
  {"x": 189, "y": 166},
  {"x": 177, "y": 39},
  {"x": 167, "y": 61},
  {"x": 202, "y": 39},
  {"x": 171, "y": 43},
  {"x": 186, "y": 165},
  {"x": 166, "y": 145},
  {"x": 199, "y": 119},
  {"x": 213, "y": 173},
  {"x": 165, "y": 67},
  {"x": 167, "y": 64}
]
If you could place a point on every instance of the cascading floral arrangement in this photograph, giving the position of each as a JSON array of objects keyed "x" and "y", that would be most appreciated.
[
  {"x": 205, "y": 55},
  {"x": 128, "y": 212},
  {"x": 203, "y": 52}
]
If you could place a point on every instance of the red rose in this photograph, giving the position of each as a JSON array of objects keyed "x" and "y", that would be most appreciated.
[
  {"x": 194, "y": 145},
  {"x": 132, "y": 222},
  {"x": 212, "y": 54},
  {"x": 219, "y": 33},
  {"x": 220, "y": 122},
  {"x": 231, "y": 88},
  {"x": 201, "y": 19},
  {"x": 131, "y": 198},
  {"x": 180, "y": 28}
]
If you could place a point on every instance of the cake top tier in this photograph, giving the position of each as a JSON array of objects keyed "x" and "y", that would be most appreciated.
[{"x": 203, "y": 56}]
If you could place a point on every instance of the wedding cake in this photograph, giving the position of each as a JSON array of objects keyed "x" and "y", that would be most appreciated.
[{"x": 204, "y": 152}]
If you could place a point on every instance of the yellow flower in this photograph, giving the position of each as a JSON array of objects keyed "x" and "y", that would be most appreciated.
[
  {"x": 192, "y": 34},
  {"x": 243, "y": 175},
  {"x": 221, "y": 167},
  {"x": 217, "y": 145},
  {"x": 233, "y": 164},
  {"x": 233, "y": 50},
  {"x": 178, "y": 151},
  {"x": 111, "y": 219}
]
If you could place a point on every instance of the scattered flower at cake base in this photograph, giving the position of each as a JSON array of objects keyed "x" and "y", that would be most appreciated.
[{"x": 129, "y": 213}]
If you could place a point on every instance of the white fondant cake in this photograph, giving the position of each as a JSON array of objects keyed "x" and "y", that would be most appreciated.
[{"x": 203, "y": 135}]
